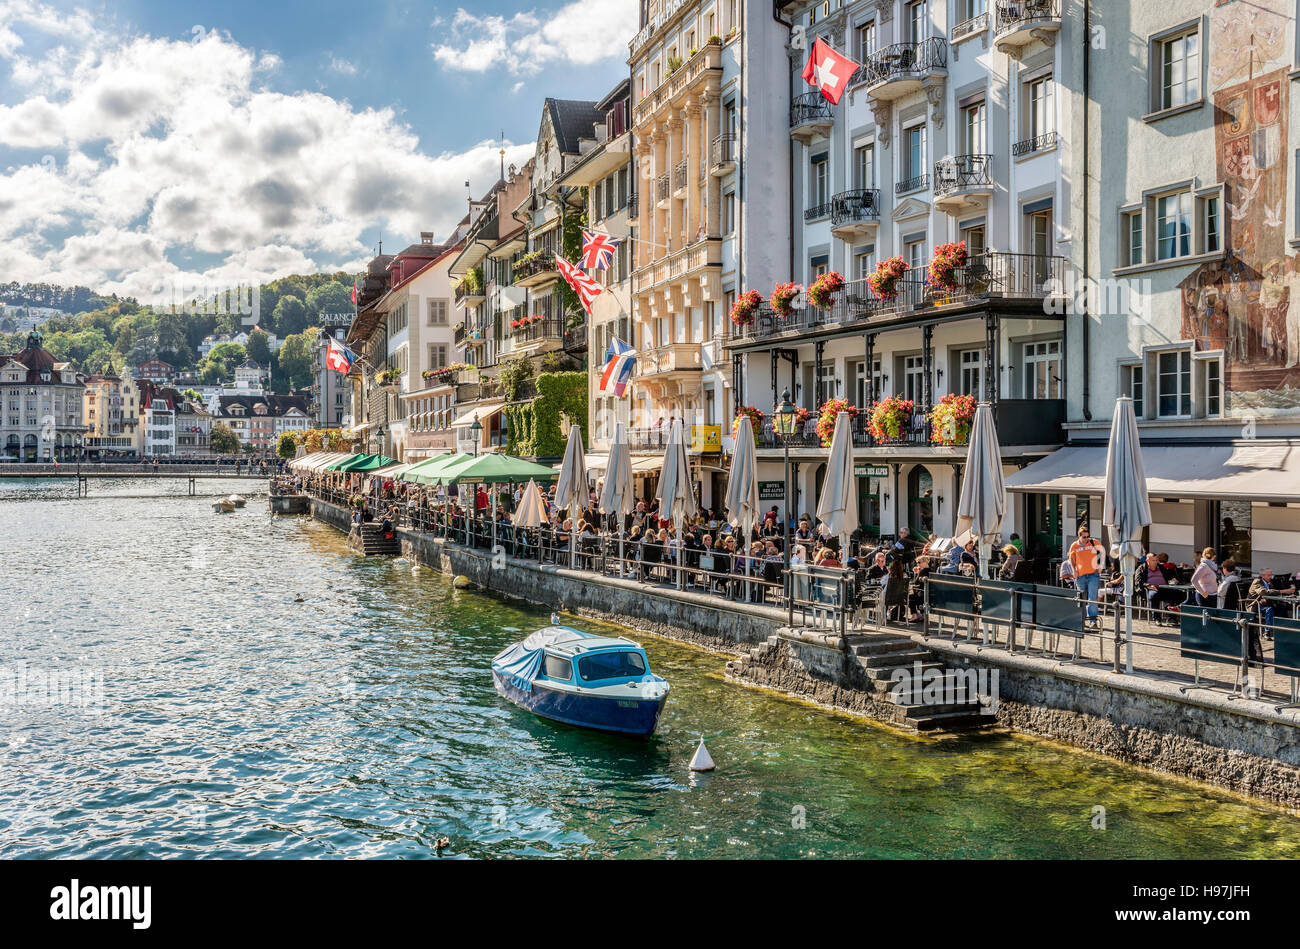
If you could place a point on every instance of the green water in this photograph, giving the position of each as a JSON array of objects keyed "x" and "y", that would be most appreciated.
[{"x": 362, "y": 721}]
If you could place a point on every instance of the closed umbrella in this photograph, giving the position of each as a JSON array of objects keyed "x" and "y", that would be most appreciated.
[
  {"x": 837, "y": 508},
  {"x": 1126, "y": 509},
  {"x": 531, "y": 513},
  {"x": 742, "y": 485},
  {"x": 616, "y": 493},
  {"x": 571, "y": 489},
  {"x": 676, "y": 498},
  {"x": 983, "y": 501}
]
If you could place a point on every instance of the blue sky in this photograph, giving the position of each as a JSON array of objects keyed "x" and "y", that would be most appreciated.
[{"x": 145, "y": 145}]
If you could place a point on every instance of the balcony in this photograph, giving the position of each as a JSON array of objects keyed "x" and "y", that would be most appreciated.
[
  {"x": 901, "y": 69},
  {"x": 469, "y": 290},
  {"x": 667, "y": 361},
  {"x": 817, "y": 212},
  {"x": 535, "y": 271},
  {"x": 963, "y": 182},
  {"x": 1017, "y": 23},
  {"x": 537, "y": 332},
  {"x": 855, "y": 213},
  {"x": 722, "y": 160},
  {"x": 663, "y": 188},
  {"x": 810, "y": 116},
  {"x": 575, "y": 339},
  {"x": 679, "y": 179},
  {"x": 1029, "y": 146},
  {"x": 972, "y": 27},
  {"x": 458, "y": 338}
]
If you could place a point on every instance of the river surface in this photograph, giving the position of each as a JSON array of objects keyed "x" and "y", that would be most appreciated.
[{"x": 203, "y": 711}]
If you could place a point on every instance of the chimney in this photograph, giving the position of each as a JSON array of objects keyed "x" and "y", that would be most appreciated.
[{"x": 426, "y": 237}]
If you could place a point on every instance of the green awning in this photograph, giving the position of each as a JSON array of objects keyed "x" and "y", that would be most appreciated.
[
  {"x": 412, "y": 473},
  {"x": 430, "y": 472},
  {"x": 338, "y": 465},
  {"x": 365, "y": 463},
  {"x": 496, "y": 469}
]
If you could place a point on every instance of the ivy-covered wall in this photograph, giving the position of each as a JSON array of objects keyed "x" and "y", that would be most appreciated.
[{"x": 534, "y": 427}]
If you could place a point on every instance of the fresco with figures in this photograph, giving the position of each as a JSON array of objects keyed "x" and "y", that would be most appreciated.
[{"x": 1248, "y": 303}]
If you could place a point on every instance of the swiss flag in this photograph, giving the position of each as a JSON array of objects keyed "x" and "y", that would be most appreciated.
[
  {"x": 339, "y": 357},
  {"x": 828, "y": 71}
]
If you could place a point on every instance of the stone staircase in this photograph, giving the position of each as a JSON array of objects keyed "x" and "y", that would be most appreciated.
[
  {"x": 880, "y": 655},
  {"x": 368, "y": 539}
]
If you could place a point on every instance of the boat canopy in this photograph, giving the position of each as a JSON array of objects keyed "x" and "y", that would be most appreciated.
[{"x": 519, "y": 663}]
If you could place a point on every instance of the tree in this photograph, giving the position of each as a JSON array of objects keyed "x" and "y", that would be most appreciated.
[
  {"x": 224, "y": 440},
  {"x": 259, "y": 347},
  {"x": 193, "y": 395},
  {"x": 287, "y": 445},
  {"x": 296, "y": 361},
  {"x": 290, "y": 316},
  {"x": 329, "y": 298}
]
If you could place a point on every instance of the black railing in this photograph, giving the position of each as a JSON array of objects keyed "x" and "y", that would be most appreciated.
[
  {"x": 1031, "y": 145},
  {"x": 632, "y": 198},
  {"x": 809, "y": 108},
  {"x": 907, "y": 60},
  {"x": 538, "y": 330},
  {"x": 679, "y": 176},
  {"x": 817, "y": 211},
  {"x": 976, "y": 24},
  {"x": 1011, "y": 15},
  {"x": 575, "y": 339},
  {"x": 459, "y": 337},
  {"x": 534, "y": 266},
  {"x": 961, "y": 172},
  {"x": 911, "y": 184},
  {"x": 663, "y": 188},
  {"x": 860, "y": 204},
  {"x": 724, "y": 150}
]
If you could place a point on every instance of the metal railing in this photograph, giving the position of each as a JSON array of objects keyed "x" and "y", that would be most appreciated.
[
  {"x": 858, "y": 204},
  {"x": 538, "y": 330},
  {"x": 915, "y": 183},
  {"x": 1031, "y": 145},
  {"x": 809, "y": 108},
  {"x": 679, "y": 176},
  {"x": 1010, "y": 15},
  {"x": 575, "y": 338},
  {"x": 976, "y": 24},
  {"x": 817, "y": 211},
  {"x": 961, "y": 172},
  {"x": 724, "y": 150},
  {"x": 907, "y": 60},
  {"x": 535, "y": 266},
  {"x": 663, "y": 187}
]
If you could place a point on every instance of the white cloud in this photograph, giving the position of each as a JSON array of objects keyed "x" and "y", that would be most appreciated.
[
  {"x": 580, "y": 33},
  {"x": 342, "y": 66},
  {"x": 164, "y": 150}
]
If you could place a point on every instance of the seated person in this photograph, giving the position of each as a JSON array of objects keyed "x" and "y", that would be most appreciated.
[
  {"x": 1152, "y": 583},
  {"x": 1261, "y": 587}
]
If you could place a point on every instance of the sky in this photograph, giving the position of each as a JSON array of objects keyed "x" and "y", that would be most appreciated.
[{"x": 164, "y": 150}]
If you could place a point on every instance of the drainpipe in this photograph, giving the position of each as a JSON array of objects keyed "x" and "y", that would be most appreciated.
[
  {"x": 789, "y": 25},
  {"x": 1087, "y": 233}
]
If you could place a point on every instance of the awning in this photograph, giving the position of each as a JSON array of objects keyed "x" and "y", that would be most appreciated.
[
  {"x": 595, "y": 461},
  {"x": 644, "y": 465},
  {"x": 479, "y": 410},
  {"x": 1209, "y": 472}
]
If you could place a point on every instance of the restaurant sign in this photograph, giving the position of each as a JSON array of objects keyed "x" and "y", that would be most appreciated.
[
  {"x": 771, "y": 490},
  {"x": 871, "y": 471}
]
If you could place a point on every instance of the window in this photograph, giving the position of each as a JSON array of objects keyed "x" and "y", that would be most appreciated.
[
  {"x": 1211, "y": 380},
  {"x": 864, "y": 40},
  {"x": 973, "y": 124},
  {"x": 1210, "y": 223},
  {"x": 817, "y": 267},
  {"x": 1042, "y": 370},
  {"x": 437, "y": 355},
  {"x": 1131, "y": 235},
  {"x": 438, "y": 311},
  {"x": 1040, "y": 233},
  {"x": 1040, "y": 117},
  {"x": 1179, "y": 64},
  {"x": 819, "y": 181},
  {"x": 1131, "y": 385},
  {"x": 914, "y": 254},
  {"x": 1174, "y": 384},
  {"x": 598, "y": 204},
  {"x": 729, "y": 212},
  {"x": 916, "y": 22},
  {"x": 864, "y": 166},
  {"x": 972, "y": 372},
  {"x": 1173, "y": 225},
  {"x": 970, "y": 9},
  {"x": 864, "y": 262},
  {"x": 973, "y": 235},
  {"x": 913, "y": 378},
  {"x": 913, "y": 156},
  {"x": 556, "y": 668}
]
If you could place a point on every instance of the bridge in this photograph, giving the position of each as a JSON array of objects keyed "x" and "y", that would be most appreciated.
[{"x": 83, "y": 472}]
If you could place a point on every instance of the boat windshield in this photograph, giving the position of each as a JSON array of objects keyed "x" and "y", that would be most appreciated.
[{"x": 611, "y": 665}]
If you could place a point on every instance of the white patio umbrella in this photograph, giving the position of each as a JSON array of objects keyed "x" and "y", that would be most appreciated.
[
  {"x": 983, "y": 501},
  {"x": 1126, "y": 509},
  {"x": 837, "y": 508},
  {"x": 676, "y": 498},
  {"x": 616, "y": 495},
  {"x": 571, "y": 488},
  {"x": 531, "y": 513},
  {"x": 742, "y": 486}
]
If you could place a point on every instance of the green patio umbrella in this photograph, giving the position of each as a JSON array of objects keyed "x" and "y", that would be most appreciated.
[
  {"x": 430, "y": 472},
  {"x": 410, "y": 473},
  {"x": 368, "y": 463},
  {"x": 338, "y": 465},
  {"x": 496, "y": 469}
]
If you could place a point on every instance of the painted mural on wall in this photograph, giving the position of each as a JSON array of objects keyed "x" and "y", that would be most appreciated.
[{"x": 1248, "y": 304}]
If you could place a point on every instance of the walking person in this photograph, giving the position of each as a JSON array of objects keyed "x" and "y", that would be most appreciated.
[
  {"x": 1086, "y": 557},
  {"x": 1205, "y": 579}
]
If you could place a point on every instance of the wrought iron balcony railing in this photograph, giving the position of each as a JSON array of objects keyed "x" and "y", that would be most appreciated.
[
  {"x": 817, "y": 211},
  {"x": 679, "y": 176},
  {"x": 961, "y": 172},
  {"x": 976, "y": 24},
  {"x": 1010, "y": 15},
  {"x": 724, "y": 150},
  {"x": 907, "y": 60},
  {"x": 663, "y": 188},
  {"x": 1031, "y": 145},
  {"x": 809, "y": 108},
  {"x": 915, "y": 183},
  {"x": 859, "y": 204}
]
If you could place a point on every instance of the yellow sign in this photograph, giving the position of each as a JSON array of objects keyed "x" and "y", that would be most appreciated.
[{"x": 706, "y": 438}]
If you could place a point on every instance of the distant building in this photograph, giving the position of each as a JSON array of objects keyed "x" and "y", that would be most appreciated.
[
  {"x": 216, "y": 339},
  {"x": 155, "y": 370},
  {"x": 258, "y": 421},
  {"x": 42, "y": 403},
  {"x": 330, "y": 390},
  {"x": 103, "y": 409}
]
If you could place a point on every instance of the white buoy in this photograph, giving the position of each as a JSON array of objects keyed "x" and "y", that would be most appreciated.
[{"x": 702, "y": 760}]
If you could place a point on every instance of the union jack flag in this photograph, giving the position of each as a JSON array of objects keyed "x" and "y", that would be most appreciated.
[
  {"x": 586, "y": 288},
  {"x": 597, "y": 250}
]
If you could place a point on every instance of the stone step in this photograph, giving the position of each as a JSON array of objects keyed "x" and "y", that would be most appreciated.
[
  {"x": 950, "y": 721},
  {"x": 884, "y": 673},
  {"x": 891, "y": 660},
  {"x": 876, "y": 647}
]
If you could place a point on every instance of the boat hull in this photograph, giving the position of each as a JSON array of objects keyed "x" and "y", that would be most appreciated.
[{"x": 627, "y": 716}]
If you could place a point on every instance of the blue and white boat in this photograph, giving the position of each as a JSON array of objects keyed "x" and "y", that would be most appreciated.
[{"x": 582, "y": 679}]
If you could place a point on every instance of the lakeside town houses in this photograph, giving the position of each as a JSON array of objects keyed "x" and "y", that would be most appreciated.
[{"x": 721, "y": 172}]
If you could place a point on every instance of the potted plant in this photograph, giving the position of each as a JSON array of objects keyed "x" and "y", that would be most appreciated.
[
  {"x": 883, "y": 282},
  {"x": 950, "y": 420},
  {"x": 693, "y": 51},
  {"x": 746, "y": 305},
  {"x": 942, "y": 272},
  {"x": 674, "y": 64},
  {"x": 388, "y": 377},
  {"x": 890, "y": 418},
  {"x": 755, "y": 418},
  {"x": 827, "y": 416},
  {"x": 715, "y": 39},
  {"x": 822, "y": 292},
  {"x": 783, "y": 295},
  {"x": 446, "y": 374}
]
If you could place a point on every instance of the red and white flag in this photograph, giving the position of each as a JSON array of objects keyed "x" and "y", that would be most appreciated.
[
  {"x": 586, "y": 288},
  {"x": 828, "y": 71}
]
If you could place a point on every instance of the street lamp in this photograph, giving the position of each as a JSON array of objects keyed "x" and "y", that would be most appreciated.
[
  {"x": 785, "y": 422},
  {"x": 476, "y": 430}
]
